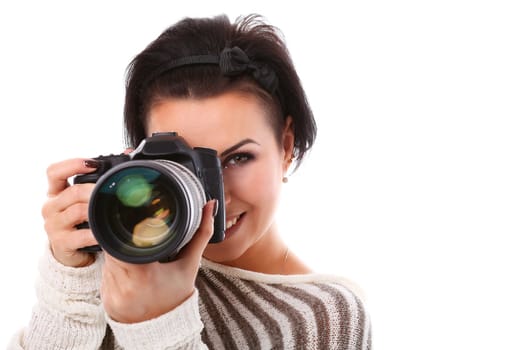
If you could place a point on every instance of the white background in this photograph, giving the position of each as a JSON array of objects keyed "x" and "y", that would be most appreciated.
[{"x": 414, "y": 190}]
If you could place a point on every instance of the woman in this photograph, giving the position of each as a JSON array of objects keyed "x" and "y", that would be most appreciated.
[{"x": 232, "y": 88}]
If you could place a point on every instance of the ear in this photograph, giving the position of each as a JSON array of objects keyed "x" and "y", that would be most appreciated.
[{"x": 288, "y": 142}]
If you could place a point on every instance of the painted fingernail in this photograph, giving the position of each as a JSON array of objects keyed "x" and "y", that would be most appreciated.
[{"x": 91, "y": 163}]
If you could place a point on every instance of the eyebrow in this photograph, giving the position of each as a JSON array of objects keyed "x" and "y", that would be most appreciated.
[{"x": 236, "y": 146}]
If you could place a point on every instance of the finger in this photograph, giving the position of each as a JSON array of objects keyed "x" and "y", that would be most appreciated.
[
  {"x": 72, "y": 195},
  {"x": 192, "y": 252},
  {"x": 67, "y": 219},
  {"x": 73, "y": 240},
  {"x": 59, "y": 173},
  {"x": 83, "y": 238}
]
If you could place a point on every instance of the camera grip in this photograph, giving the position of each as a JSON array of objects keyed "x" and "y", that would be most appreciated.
[{"x": 90, "y": 249}]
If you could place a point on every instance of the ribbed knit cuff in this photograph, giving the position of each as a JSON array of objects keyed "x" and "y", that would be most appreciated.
[
  {"x": 70, "y": 291},
  {"x": 69, "y": 312},
  {"x": 70, "y": 279},
  {"x": 177, "y": 328}
]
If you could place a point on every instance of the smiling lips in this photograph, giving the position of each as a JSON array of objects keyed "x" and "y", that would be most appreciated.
[{"x": 232, "y": 221}]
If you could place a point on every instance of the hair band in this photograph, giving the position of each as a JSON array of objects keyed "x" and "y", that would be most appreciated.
[{"x": 231, "y": 61}]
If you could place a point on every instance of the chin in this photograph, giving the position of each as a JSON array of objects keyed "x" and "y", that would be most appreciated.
[
  {"x": 232, "y": 248},
  {"x": 221, "y": 252}
]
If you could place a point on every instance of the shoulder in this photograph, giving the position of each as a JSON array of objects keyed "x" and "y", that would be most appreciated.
[
  {"x": 336, "y": 293},
  {"x": 327, "y": 309}
]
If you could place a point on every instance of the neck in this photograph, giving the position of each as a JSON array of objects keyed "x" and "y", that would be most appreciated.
[{"x": 267, "y": 255}]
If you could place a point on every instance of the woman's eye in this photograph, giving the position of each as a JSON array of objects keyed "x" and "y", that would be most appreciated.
[{"x": 236, "y": 160}]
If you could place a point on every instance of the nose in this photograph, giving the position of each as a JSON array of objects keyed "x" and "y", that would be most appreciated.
[{"x": 227, "y": 195}]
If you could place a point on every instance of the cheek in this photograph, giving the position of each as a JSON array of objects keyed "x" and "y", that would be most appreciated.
[{"x": 258, "y": 185}]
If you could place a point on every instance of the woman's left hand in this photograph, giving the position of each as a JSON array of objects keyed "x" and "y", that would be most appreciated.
[{"x": 134, "y": 293}]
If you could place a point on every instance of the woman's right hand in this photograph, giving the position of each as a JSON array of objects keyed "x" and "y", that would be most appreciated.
[{"x": 66, "y": 207}]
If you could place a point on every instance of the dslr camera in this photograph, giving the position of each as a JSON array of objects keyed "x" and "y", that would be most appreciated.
[{"x": 147, "y": 205}]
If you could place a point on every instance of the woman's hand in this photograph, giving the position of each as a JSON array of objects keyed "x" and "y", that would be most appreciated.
[
  {"x": 134, "y": 293},
  {"x": 66, "y": 207}
]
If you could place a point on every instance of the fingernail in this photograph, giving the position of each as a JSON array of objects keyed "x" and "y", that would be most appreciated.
[
  {"x": 91, "y": 163},
  {"x": 215, "y": 207}
]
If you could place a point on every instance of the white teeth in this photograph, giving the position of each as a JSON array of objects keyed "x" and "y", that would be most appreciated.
[{"x": 232, "y": 222}]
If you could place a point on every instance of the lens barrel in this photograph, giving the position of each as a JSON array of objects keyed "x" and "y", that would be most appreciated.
[{"x": 143, "y": 211}]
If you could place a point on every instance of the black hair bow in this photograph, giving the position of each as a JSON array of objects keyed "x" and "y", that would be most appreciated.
[{"x": 234, "y": 61}]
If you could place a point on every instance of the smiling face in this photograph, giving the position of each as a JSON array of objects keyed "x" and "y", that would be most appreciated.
[{"x": 254, "y": 161}]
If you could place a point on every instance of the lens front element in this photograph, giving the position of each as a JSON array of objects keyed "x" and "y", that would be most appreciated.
[
  {"x": 143, "y": 207},
  {"x": 134, "y": 190},
  {"x": 146, "y": 210}
]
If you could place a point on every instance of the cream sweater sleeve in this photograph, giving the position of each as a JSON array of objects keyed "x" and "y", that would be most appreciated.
[
  {"x": 68, "y": 314},
  {"x": 178, "y": 329}
]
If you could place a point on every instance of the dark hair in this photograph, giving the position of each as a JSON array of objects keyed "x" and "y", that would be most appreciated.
[{"x": 148, "y": 81}]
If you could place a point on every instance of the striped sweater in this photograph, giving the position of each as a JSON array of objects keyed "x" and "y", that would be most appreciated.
[
  {"x": 230, "y": 309},
  {"x": 246, "y": 310}
]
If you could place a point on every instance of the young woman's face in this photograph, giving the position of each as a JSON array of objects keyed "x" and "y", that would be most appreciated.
[{"x": 254, "y": 161}]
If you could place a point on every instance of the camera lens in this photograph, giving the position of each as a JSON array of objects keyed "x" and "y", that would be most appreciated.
[{"x": 146, "y": 210}]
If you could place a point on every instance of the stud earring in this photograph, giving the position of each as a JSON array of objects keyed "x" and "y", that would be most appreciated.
[{"x": 285, "y": 178}]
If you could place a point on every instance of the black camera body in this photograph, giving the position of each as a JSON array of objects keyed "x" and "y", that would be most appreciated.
[{"x": 147, "y": 205}]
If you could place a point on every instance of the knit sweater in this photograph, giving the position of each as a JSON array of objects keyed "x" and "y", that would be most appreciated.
[{"x": 230, "y": 309}]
